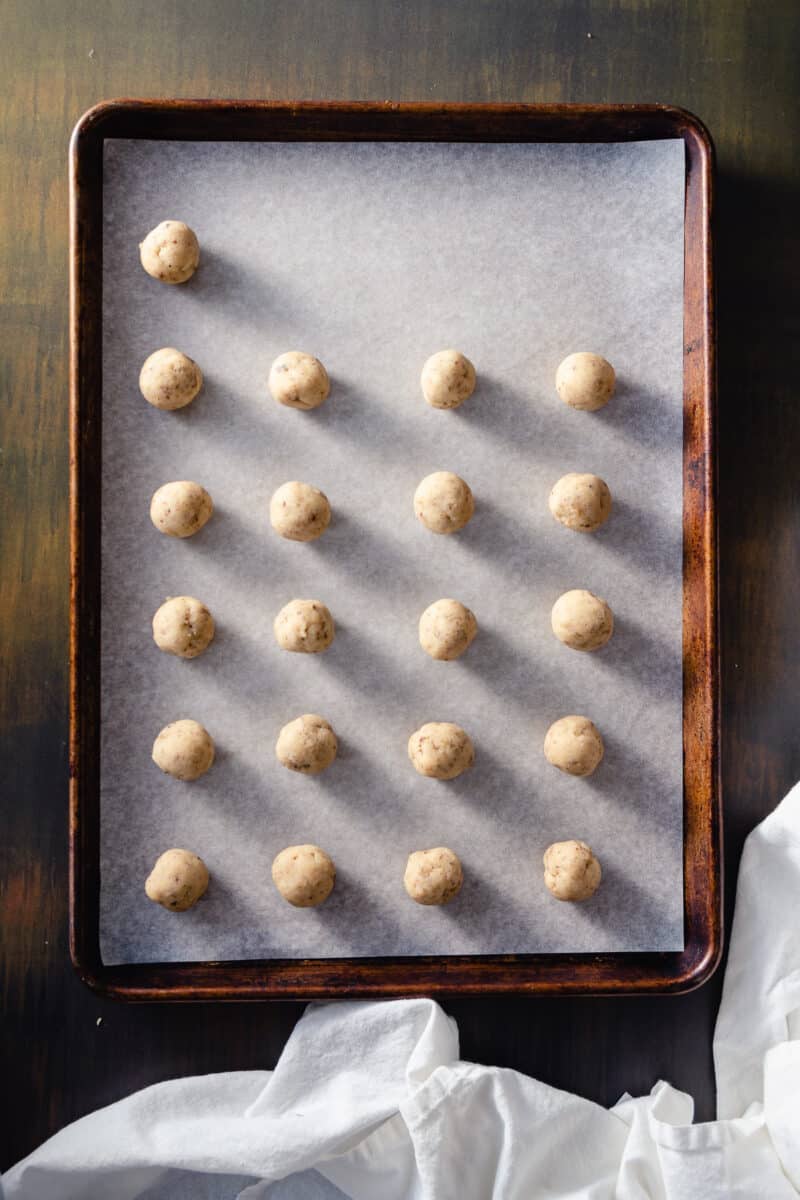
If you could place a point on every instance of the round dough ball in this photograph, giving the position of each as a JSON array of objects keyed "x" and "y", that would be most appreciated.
[
  {"x": 170, "y": 379},
  {"x": 581, "y": 502},
  {"x": 446, "y": 629},
  {"x": 305, "y": 626},
  {"x": 299, "y": 380},
  {"x": 183, "y": 626},
  {"x": 307, "y": 744},
  {"x": 178, "y": 880},
  {"x": 574, "y": 745},
  {"x": 433, "y": 876},
  {"x": 582, "y": 620},
  {"x": 585, "y": 381},
  {"x": 441, "y": 750},
  {"x": 571, "y": 871},
  {"x": 184, "y": 749},
  {"x": 299, "y": 512},
  {"x": 181, "y": 508},
  {"x": 448, "y": 379},
  {"x": 304, "y": 875},
  {"x": 170, "y": 252},
  {"x": 443, "y": 502}
]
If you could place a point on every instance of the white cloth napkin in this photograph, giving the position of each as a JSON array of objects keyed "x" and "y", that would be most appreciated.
[{"x": 370, "y": 1101}]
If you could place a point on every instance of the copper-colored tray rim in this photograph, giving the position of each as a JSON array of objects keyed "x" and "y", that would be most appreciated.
[{"x": 534, "y": 974}]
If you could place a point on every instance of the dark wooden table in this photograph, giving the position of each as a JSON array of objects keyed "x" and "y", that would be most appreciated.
[{"x": 733, "y": 62}]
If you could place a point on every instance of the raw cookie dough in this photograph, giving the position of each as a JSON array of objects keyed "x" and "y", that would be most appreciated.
[
  {"x": 571, "y": 871},
  {"x": 180, "y": 508},
  {"x": 184, "y": 749},
  {"x": 298, "y": 380},
  {"x": 581, "y": 502},
  {"x": 433, "y": 876},
  {"x": 441, "y": 750},
  {"x": 178, "y": 880},
  {"x": 304, "y": 875},
  {"x": 573, "y": 744},
  {"x": 170, "y": 252},
  {"x": 307, "y": 744},
  {"x": 169, "y": 379},
  {"x": 443, "y": 502},
  {"x": 299, "y": 512},
  {"x": 446, "y": 629},
  {"x": 183, "y": 626},
  {"x": 448, "y": 379},
  {"x": 585, "y": 381},
  {"x": 582, "y": 620},
  {"x": 305, "y": 626}
]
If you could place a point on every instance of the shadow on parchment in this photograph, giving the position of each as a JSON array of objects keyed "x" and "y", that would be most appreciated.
[
  {"x": 622, "y": 760},
  {"x": 348, "y": 545},
  {"x": 506, "y": 414},
  {"x": 623, "y": 414},
  {"x": 245, "y": 293},
  {"x": 646, "y": 538}
]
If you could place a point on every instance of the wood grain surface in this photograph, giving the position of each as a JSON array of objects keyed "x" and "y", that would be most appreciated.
[{"x": 733, "y": 62}]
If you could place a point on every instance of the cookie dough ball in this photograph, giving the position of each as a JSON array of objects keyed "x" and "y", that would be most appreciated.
[
  {"x": 582, "y": 620},
  {"x": 443, "y": 502},
  {"x": 299, "y": 381},
  {"x": 433, "y": 876},
  {"x": 183, "y": 626},
  {"x": 446, "y": 629},
  {"x": 170, "y": 252},
  {"x": 304, "y": 875},
  {"x": 178, "y": 880},
  {"x": 585, "y": 381},
  {"x": 170, "y": 379},
  {"x": 574, "y": 745},
  {"x": 581, "y": 502},
  {"x": 307, "y": 744},
  {"x": 181, "y": 508},
  {"x": 184, "y": 749},
  {"x": 441, "y": 750},
  {"x": 299, "y": 512},
  {"x": 448, "y": 379},
  {"x": 305, "y": 626},
  {"x": 571, "y": 871}
]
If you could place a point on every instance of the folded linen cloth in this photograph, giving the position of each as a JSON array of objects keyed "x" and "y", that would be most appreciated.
[{"x": 370, "y": 1100}]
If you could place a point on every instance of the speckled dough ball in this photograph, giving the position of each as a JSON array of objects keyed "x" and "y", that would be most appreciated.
[
  {"x": 582, "y": 620},
  {"x": 181, "y": 508},
  {"x": 448, "y": 379},
  {"x": 170, "y": 379},
  {"x": 581, "y": 502},
  {"x": 183, "y": 626},
  {"x": 178, "y": 880},
  {"x": 443, "y": 502},
  {"x": 571, "y": 871},
  {"x": 170, "y": 252},
  {"x": 305, "y": 626},
  {"x": 184, "y": 749},
  {"x": 441, "y": 750},
  {"x": 299, "y": 512},
  {"x": 574, "y": 745},
  {"x": 585, "y": 381},
  {"x": 446, "y": 629},
  {"x": 307, "y": 744},
  {"x": 433, "y": 876},
  {"x": 304, "y": 875},
  {"x": 299, "y": 381}
]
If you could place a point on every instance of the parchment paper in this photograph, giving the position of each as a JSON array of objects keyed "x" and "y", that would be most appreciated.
[{"x": 372, "y": 257}]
